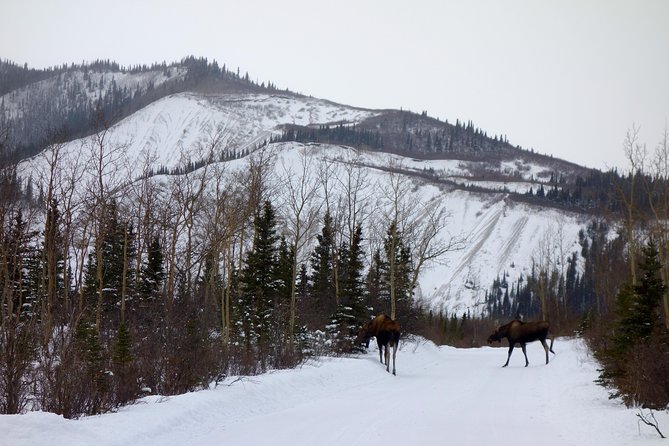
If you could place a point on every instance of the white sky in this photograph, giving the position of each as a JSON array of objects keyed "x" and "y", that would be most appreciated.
[{"x": 565, "y": 77}]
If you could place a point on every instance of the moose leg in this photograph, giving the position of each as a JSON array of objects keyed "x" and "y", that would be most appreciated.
[
  {"x": 509, "y": 357},
  {"x": 378, "y": 342},
  {"x": 394, "y": 352},
  {"x": 522, "y": 344},
  {"x": 543, "y": 342},
  {"x": 387, "y": 359}
]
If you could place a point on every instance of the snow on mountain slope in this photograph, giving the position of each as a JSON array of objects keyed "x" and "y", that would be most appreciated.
[
  {"x": 461, "y": 396},
  {"x": 182, "y": 127},
  {"x": 501, "y": 236}
]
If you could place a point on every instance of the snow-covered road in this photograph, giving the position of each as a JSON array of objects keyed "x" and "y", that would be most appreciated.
[{"x": 441, "y": 395}]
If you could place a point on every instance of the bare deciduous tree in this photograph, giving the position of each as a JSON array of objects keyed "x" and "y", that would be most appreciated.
[
  {"x": 636, "y": 155},
  {"x": 657, "y": 192},
  {"x": 430, "y": 238},
  {"x": 104, "y": 186},
  {"x": 300, "y": 211},
  {"x": 419, "y": 224}
]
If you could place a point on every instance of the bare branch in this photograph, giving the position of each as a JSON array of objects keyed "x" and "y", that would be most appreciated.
[{"x": 650, "y": 420}]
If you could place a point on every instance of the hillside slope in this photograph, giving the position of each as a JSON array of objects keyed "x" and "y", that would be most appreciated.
[
  {"x": 181, "y": 127},
  {"x": 502, "y": 236},
  {"x": 440, "y": 394}
]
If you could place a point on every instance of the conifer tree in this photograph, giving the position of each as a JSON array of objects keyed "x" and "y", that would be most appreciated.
[
  {"x": 351, "y": 313},
  {"x": 52, "y": 263},
  {"x": 322, "y": 268},
  {"x": 352, "y": 283},
  {"x": 375, "y": 286},
  {"x": 124, "y": 380},
  {"x": 258, "y": 286},
  {"x": 283, "y": 276},
  {"x": 91, "y": 358},
  {"x": 118, "y": 253},
  {"x": 153, "y": 271},
  {"x": 637, "y": 307},
  {"x": 303, "y": 283},
  {"x": 638, "y": 315},
  {"x": 397, "y": 269}
]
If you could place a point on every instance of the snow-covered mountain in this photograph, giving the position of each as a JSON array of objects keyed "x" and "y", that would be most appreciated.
[{"x": 501, "y": 234}]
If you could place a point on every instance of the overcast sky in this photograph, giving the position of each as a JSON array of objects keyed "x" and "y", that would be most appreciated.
[{"x": 565, "y": 77}]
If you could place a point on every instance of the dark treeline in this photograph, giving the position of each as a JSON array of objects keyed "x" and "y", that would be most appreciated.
[
  {"x": 400, "y": 131},
  {"x": 418, "y": 133},
  {"x": 13, "y": 76},
  {"x": 339, "y": 134},
  {"x": 602, "y": 192}
]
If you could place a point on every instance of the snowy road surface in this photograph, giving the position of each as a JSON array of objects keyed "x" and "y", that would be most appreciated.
[{"x": 441, "y": 395}]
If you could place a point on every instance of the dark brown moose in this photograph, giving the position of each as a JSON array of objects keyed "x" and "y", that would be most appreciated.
[
  {"x": 522, "y": 332},
  {"x": 387, "y": 333}
]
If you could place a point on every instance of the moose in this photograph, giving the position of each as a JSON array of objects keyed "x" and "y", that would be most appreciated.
[
  {"x": 522, "y": 332},
  {"x": 387, "y": 333}
]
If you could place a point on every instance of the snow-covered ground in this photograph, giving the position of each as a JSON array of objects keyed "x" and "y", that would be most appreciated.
[{"x": 440, "y": 395}]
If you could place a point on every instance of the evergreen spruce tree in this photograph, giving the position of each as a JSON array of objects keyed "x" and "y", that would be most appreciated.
[
  {"x": 122, "y": 354},
  {"x": 637, "y": 307},
  {"x": 353, "y": 287},
  {"x": 283, "y": 272},
  {"x": 638, "y": 315},
  {"x": 395, "y": 249},
  {"x": 283, "y": 276},
  {"x": 21, "y": 263},
  {"x": 153, "y": 271},
  {"x": 351, "y": 313},
  {"x": 53, "y": 256},
  {"x": 124, "y": 379},
  {"x": 323, "y": 290},
  {"x": 114, "y": 240},
  {"x": 376, "y": 292},
  {"x": 258, "y": 285},
  {"x": 303, "y": 284},
  {"x": 92, "y": 358}
]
